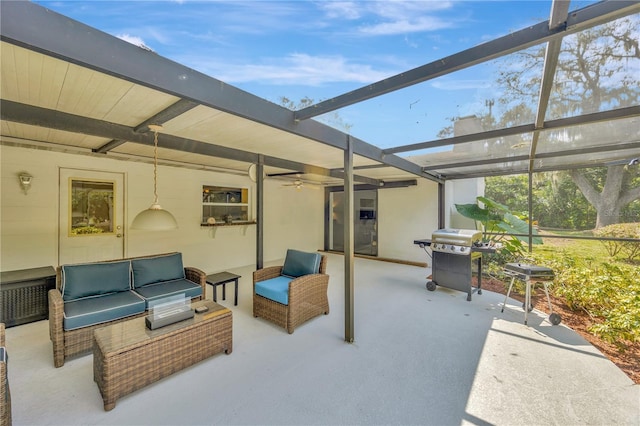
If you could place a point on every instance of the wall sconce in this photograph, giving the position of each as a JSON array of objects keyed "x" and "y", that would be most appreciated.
[{"x": 25, "y": 181}]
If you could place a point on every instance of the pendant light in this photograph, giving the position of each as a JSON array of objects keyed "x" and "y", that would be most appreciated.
[{"x": 155, "y": 218}]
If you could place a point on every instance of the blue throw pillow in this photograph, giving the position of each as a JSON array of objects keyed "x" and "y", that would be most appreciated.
[
  {"x": 151, "y": 270},
  {"x": 91, "y": 279},
  {"x": 298, "y": 263}
]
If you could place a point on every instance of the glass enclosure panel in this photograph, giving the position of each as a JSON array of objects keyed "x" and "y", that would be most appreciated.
[
  {"x": 91, "y": 207},
  {"x": 472, "y": 100},
  {"x": 598, "y": 69},
  {"x": 572, "y": 202},
  {"x": 486, "y": 170},
  {"x": 514, "y": 146},
  {"x": 608, "y": 158},
  {"x": 606, "y": 133}
]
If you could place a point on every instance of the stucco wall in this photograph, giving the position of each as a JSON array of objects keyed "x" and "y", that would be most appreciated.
[
  {"x": 463, "y": 191},
  {"x": 406, "y": 214},
  {"x": 29, "y": 223},
  {"x": 293, "y": 218}
]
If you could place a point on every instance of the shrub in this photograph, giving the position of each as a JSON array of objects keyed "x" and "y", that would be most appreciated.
[
  {"x": 630, "y": 249},
  {"x": 609, "y": 293}
]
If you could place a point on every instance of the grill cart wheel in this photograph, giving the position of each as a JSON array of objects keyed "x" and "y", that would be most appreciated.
[
  {"x": 555, "y": 319},
  {"x": 431, "y": 285},
  {"x": 530, "y": 307}
]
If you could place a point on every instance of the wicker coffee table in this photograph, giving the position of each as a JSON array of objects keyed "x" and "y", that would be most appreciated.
[{"x": 128, "y": 356}]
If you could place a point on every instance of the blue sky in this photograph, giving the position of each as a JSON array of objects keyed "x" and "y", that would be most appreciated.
[{"x": 320, "y": 49}]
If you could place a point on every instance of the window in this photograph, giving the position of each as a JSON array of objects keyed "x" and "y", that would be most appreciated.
[
  {"x": 222, "y": 204},
  {"x": 91, "y": 207}
]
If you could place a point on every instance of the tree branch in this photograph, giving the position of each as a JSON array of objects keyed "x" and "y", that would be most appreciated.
[{"x": 590, "y": 193}]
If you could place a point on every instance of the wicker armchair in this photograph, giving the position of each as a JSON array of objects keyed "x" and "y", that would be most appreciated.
[
  {"x": 5, "y": 395},
  {"x": 307, "y": 296}
]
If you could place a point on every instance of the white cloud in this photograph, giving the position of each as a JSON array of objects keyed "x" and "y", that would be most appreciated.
[
  {"x": 451, "y": 84},
  {"x": 390, "y": 16},
  {"x": 296, "y": 69},
  {"x": 134, "y": 40},
  {"x": 341, "y": 9},
  {"x": 403, "y": 26}
]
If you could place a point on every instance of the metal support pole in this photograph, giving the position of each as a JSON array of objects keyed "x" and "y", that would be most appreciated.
[
  {"x": 441, "y": 200},
  {"x": 260, "y": 212},
  {"x": 348, "y": 242},
  {"x": 530, "y": 195}
]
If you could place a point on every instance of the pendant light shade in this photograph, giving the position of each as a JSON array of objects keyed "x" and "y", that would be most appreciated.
[{"x": 155, "y": 218}]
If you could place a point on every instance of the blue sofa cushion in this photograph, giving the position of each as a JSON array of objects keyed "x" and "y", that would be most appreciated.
[
  {"x": 276, "y": 289},
  {"x": 151, "y": 270},
  {"x": 91, "y": 279},
  {"x": 96, "y": 310},
  {"x": 153, "y": 292},
  {"x": 298, "y": 263}
]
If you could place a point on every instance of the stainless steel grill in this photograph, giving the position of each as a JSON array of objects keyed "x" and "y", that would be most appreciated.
[
  {"x": 455, "y": 241},
  {"x": 453, "y": 253}
]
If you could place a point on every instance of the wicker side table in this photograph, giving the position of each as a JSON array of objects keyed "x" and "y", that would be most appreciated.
[{"x": 128, "y": 356}]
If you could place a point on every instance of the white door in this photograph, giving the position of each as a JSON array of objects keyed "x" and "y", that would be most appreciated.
[{"x": 91, "y": 216}]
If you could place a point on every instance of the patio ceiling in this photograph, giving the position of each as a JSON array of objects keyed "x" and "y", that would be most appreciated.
[{"x": 70, "y": 87}]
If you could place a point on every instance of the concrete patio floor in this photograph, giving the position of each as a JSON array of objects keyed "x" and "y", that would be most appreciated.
[{"x": 419, "y": 357}]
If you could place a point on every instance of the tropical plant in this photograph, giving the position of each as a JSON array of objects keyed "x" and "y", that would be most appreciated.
[{"x": 498, "y": 222}]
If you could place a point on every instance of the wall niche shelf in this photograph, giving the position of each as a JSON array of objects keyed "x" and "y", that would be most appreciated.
[
  {"x": 250, "y": 222},
  {"x": 225, "y": 206}
]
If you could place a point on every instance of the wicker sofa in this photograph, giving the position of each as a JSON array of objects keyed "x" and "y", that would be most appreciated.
[
  {"x": 5, "y": 395},
  {"x": 291, "y": 294},
  {"x": 91, "y": 295}
]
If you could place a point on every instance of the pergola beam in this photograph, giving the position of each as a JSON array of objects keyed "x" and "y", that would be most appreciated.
[
  {"x": 162, "y": 117},
  {"x": 521, "y": 170},
  {"x": 580, "y": 19},
  {"x": 35, "y": 28},
  {"x": 595, "y": 117},
  {"x": 559, "y": 11},
  {"x": 37, "y": 116}
]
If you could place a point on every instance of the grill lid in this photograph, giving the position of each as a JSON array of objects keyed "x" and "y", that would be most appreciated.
[{"x": 459, "y": 237}]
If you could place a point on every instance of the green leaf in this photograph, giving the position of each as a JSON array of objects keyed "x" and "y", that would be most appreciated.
[
  {"x": 490, "y": 204},
  {"x": 473, "y": 211},
  {"x": 519, "y": 226}
]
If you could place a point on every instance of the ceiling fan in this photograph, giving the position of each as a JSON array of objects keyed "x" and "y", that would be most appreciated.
[{"x": 298, "y": 184}]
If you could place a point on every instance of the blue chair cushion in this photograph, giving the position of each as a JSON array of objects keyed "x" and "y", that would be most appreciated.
[
  {"x": 276, "y": 289},
  {"x": 91, "y": 279},
  {"x": 152, "y": 292},
  {"x": 299, "y": 263},
  {"x": 96, "y": 310},
  {"x": 151, "y": 270}
]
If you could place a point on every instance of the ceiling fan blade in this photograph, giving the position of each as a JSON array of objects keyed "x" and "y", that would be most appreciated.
[{"x": 283, "y": 174}]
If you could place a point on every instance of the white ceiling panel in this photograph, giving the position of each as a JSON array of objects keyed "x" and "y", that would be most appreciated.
[
  {"x": 219, "y": 128},
  {"x": 51, "y": 136}
]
